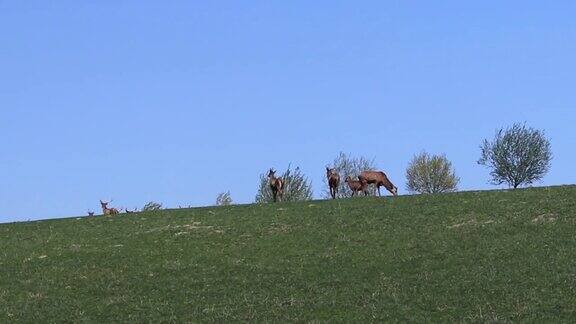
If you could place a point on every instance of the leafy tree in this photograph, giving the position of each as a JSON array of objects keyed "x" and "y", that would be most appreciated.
[
  {"x": 428, "y": 174},
  {"x": 518, "y": 155},
  {"x": 224, "y": 199},
  {"x": 347, "y": 165},
  {"x": 152, "y": 206},
  {"x": 297, "y": 187}
]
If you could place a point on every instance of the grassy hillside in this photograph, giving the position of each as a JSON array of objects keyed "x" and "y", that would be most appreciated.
[{"x": 467, "y": 256}]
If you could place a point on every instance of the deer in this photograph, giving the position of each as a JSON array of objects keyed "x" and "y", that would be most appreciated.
[
  {"x": 357, "y": 186},
  {"x": 276, "y": 185},
  {"x": 90, "y": 213},
  {"x": 333, "y": 181},
  {"x": 108, "y": 211},
  {"x": 379, "y": 179}
]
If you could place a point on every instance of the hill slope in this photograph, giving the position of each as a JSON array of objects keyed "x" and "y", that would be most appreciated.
[{"x": 498, "y": 255}]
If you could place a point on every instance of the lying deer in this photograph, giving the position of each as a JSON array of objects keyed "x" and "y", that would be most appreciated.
[
  {"x": 276, "y": 185},
  {"x": 379, "y": 179},
  {"x": 106, "y": 210},
  {"x": 333, "y": 181},
  {"x": 357, "y": 186}
]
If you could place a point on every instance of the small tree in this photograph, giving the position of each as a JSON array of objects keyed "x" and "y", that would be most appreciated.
[
  {"x": 224, "y": 199},
  {"x": 518, "y": 155},
  {"x": 431, "y": 174},
  {"x": 152, "y": 206},
  {"x": 297, "y": 187},
  {"x": 347, "y": 165}
]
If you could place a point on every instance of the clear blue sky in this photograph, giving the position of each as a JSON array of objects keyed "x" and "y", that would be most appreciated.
[{"x": 175, "y": 101}]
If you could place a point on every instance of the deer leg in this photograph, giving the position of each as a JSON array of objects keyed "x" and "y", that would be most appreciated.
[{"x": 379, "y": 195}]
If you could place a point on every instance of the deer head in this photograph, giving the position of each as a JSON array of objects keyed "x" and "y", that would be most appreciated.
[
  {"x": 272, "y": 173},
  {"x": 330, "y": 172},
  {"x": 105, "y": 204}
]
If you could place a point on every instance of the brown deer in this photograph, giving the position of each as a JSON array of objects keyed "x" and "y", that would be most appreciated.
[
  {"x": 357, "y": 186},
  {"x": 333, "y": 181},
  {"x": 276, "y": 185},
  {"x": 108, "y": 211},
  {"x": 379, "y": 179}
]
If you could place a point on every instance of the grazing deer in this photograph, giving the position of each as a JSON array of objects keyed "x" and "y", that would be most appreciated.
[
  {"x": 90, "y": 213},
  {"x": 333, "y": 181},
  {"x": 276, "y": 185},
  {"x": 106, "y": 210},
  {"x": 357, "y": 186},
  {"x": 379, "y": 179}
]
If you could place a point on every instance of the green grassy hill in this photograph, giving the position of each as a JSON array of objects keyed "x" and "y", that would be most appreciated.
[{"x": 474, "y": 256}]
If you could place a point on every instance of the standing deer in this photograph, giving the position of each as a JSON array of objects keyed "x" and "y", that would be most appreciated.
[
  {"x": 276, "y": 185},
  {"x": 333, "y": 181},
  {"x": 379, "y": 179},
  {"x": 357, "y": 186},
  {"x": 106, "y": 210}
]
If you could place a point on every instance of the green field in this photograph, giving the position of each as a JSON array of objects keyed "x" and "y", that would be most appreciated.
[{"x": 471, "y": 256}]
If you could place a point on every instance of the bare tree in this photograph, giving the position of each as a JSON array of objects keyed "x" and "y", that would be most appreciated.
[
  {"x": 518, "y": 155},
  {"x": 428, "y": 174},
  {"x": 348, "y": 166},
  {"x": 224, "y": 199},
  {"x": 297, "y": 187}
]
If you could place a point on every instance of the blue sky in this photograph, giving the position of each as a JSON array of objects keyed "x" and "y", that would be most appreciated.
[{"x": 176, "y": 101}]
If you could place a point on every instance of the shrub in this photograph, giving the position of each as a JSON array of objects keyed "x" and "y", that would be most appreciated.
[
  {"x": 152, "y": 206},
  {"x": 428, "y": 174},
  {"x": 224, "y": 199},
  {"x": 518, "y": 155}
]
